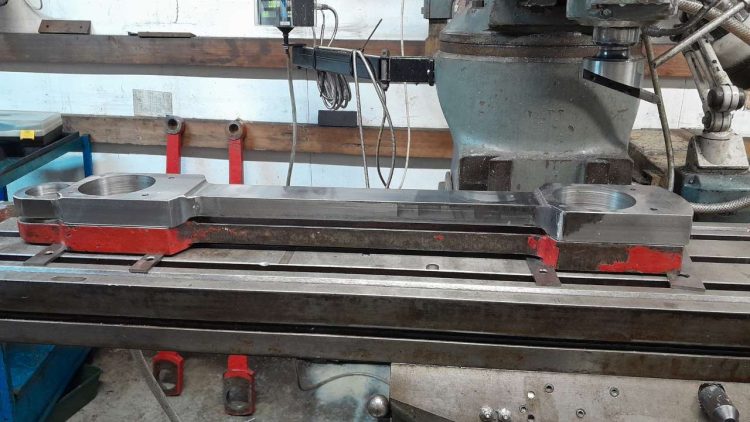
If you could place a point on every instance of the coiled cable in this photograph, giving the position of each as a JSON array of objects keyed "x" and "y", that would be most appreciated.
[{"x": 333, "y": 88}]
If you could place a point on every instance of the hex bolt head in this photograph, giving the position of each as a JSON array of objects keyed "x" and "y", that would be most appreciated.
[
  {"x": 505, "y": 414},
  {"x": 486, "y": 414},
  {"x": 614, "y": 392},
  {"x": 580, "y": 413},
  {"x": 378, "y": 406}
]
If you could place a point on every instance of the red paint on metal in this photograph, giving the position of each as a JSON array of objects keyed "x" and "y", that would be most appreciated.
[
  {"x": 546, "y": 249},
  {"x": 174, "y": 153},
  {"x": 173, "y": 362},
  {"x": 236, "y": 162},
  {"x": 95, "y": 239},
  {"x": 143, "y": 240},
  {"x": 645, "y": 260},
  {"x": 238, "y": 366}
]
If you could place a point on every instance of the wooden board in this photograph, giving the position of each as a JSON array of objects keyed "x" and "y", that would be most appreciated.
[
  {"x": 426, "y": 143},
  {"x": 132, "y": 50},
  {"x": 677, "y": 67},
  {"x": 249, "y": 53},
  {"x": 647, "y": 145}
]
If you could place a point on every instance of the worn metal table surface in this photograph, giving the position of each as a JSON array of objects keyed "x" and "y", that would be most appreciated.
[{"x": 439, "y": 310}]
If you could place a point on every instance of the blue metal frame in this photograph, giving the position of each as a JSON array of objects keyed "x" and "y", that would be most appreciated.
[
  {"x": 34, "y": 377},
  {"x": 12, "y": 169}
]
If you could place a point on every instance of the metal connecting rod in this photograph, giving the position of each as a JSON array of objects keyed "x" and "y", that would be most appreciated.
[{"x": 579, "y": 227}]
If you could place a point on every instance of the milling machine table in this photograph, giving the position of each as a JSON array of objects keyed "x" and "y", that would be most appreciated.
[{"x": 437, "y": 310}]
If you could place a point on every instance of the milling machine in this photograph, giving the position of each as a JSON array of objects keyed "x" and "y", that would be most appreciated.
[{"x": 538, "y": 285}]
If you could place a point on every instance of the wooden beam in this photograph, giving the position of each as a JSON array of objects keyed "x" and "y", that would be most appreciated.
[
  {"x": 646, "y": 148},
  {"x": 247, "y": 53},
  {"x": 676, "y": 67},
  {"x": 426, "y": 143}
]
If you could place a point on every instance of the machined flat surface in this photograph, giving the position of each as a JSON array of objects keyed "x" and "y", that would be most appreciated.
[
  {"x": 552, "y": 396},
  {"x": 637, "y": 214},
  {"x": 480, "y": 312}
]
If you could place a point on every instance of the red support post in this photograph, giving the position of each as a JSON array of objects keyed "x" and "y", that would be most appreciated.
[
  {"x": 236, "y": 133},
  {"x": 175, "y": 130},
  {"x": 167, "y": 366},
  {"x": 239, "y": 387},
  {"x": 169, "y": 369}
]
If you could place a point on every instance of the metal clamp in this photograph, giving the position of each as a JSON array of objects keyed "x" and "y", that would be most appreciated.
[
  {"x": 686, "y": 278},
  {"x": 47, "y": 255},
  {"x": 169, "y": 369},
  {"x": 145, "y": 264},
  {"x": 239, "y": 387},
  {"x": 544, "y": 275}
]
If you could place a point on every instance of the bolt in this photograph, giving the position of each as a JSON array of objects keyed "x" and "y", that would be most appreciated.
[
  {"x": 614, "y": 392},
  {"x": 531, "y": 395},
  {"x": 605, "y": 13},
  {"x": 505, "y": 414},
  {"x": 523, "y": 409},
  {"x": 378, "y": 406},
  {"x": 486, "y": 414},
  {"x": 549, "y": 388},
  {"x": 580, "y": 413}
]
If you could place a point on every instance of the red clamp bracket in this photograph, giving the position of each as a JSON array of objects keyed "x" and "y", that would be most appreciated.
[
  {"x": 239, "y": 387},
  {"x": 236, "y": 133},
  {"x": 168, "y": 369},
  {"x": 175, "y": 129}
]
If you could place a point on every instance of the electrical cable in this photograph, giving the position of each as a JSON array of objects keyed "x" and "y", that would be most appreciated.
[
  {"x": 293, "y": 153},
  {"x": 322, "y": 25},
  {"x": 381, "y": 96},
  {"x": 333, "y": 378},
  {"x": 722, "y": 207},
  {"x": 733, "y": 26},
  {"x": 335, "y": 23},
  {"x": 359, "y": 121},
  {"x": 406, "y": 105},
  {"x": 153, "y": 385},
  {"x": 333, "y": 88},
  {"x": 655, "y": 31},
  {"x": 662, "y": 111},
  {"x": 715, "y": 208},
  {"x": 386, "y": 183}
]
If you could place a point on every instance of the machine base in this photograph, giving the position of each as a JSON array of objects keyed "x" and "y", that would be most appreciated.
[{"x": 715, "y": 187}]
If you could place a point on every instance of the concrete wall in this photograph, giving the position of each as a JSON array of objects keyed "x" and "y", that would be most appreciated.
[{"x": 254, "y": 95}]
